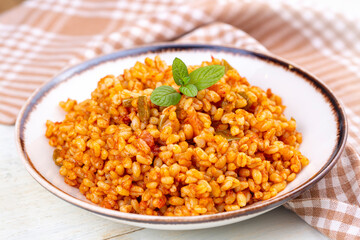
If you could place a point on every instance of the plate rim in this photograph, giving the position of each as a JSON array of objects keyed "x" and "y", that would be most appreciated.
[{"x": 337, "y": 107}]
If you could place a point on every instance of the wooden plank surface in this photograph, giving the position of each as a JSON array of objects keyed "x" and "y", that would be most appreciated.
[{"x": 28, "y": 211}]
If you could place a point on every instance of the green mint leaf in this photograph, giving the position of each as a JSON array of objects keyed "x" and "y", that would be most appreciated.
[
  {"x": 207, "y": 76},
  {"x": 179, "y": 71},
  {"x": 186, "y": 80},
  {"x": 165, "y": 96},
  {"x": 189, "y": 90}
]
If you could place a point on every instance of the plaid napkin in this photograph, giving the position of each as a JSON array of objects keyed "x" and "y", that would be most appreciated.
[{"x": 42, "y": 37}]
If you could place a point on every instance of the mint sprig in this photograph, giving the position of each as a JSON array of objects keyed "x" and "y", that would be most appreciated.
[
  {"x": 189, "y": 90},
  {"x": 180, "y": 72},
  {"x": 205, "y": 77},
  {"x": 165, "y": 96},
  {"x": 190, "y": 84}
]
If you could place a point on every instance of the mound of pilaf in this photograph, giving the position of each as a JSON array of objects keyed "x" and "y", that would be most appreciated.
[{"x": 226, "y": 148}]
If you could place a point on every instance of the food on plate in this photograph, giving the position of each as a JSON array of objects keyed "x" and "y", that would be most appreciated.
[{"x": 177, "y": 141}]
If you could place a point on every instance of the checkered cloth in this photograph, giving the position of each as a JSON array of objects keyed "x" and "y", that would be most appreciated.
[{"x": 41, "y": 37}]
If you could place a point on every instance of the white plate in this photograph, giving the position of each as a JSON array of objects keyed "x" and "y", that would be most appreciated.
[{"x": 319, "y": 115}]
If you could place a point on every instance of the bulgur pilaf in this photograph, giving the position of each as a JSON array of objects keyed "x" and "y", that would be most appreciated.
[{"x": 226, "y": 148}]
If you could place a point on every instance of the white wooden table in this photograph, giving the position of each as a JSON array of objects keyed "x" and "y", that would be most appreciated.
[{"x": 28, "y": 211}]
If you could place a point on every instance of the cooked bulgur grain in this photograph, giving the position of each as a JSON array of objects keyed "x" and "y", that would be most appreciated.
[{"x": 228, "y": 147}]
